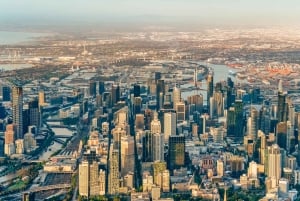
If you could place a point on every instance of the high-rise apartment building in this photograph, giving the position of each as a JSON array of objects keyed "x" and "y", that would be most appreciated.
[{"x": 17, "y": 110}]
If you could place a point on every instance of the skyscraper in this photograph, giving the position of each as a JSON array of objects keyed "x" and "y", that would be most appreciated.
[
  {"x": 84, "y": 179},
  {"x": 17, "y": 110},
  {"x": 34, "y": 114},
  {"x": 92, "y": 88},
  {"x": 180, "y": 111},
  {"x": 127, "y": 155},
  {"x": 115, "y": 94},
  {"x": 176, "y": 153},
  {"x": 101, "y": 88},
  {"x": 274, "y": 162},
  {"x": 160, "y": 92},
  {"x": 238, "y": 120},
  {"x": 42, "y": 99},
  {"x": 136, "y": 90},
  {"x": 158, "y": 147},
  {"x": 155, "y": 124},
  {"x": 113, "y": 171},
  {"x": 6, "y": 93},
  {"x": 176, "y": 96},
  {"x": 169, "y": 124},
  {"x": 210, "y": 88},
  {"x": 281, "y": 135},
  {"x": 252, "y": 124},
  {"x": 282, "y": 107}
]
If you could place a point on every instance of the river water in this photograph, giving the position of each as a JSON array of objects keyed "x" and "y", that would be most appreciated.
[{"x": 221, "y": 72}]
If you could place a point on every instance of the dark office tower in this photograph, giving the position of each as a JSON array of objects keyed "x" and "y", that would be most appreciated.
[
  {"x": 230, "y": 83},
  {"x": 298, "y": 158},
  {"x": 115, "y": 94},
  {"x": 230, "y": 98},
  {"x": 99, "y": 100},
  {"x": 160, "y": 91},
  {"x": 230, "y": 122},
  {"x": 25, "y": 120},
  {"x": 282, "y": 107},
  {"x": 157, "y": 76},
  {"x": 6, "y": 93},
  {"x": 34, "y": 114},
  {"x": 254, "y": 93},
  {"x": 2, "y": 111},
  {"x": 136, "y": 90},
  {"x": 149, "y": 116},
  {"x": 17, "y": 110},
  {"x": 210, "y": 88},
  {"x": 92, "y": 88},
  {"x": 281, "y": 135},
  {"x": 238, "y": 120},
  {"x": 176, "y": 156},
  {"x": 147, "y": 147},
  {"x": 137, "y": 105},
  {"x": 101, "y": 88}
]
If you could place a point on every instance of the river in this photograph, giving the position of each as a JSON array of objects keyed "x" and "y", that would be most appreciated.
[{"x": 221, "y": 72}]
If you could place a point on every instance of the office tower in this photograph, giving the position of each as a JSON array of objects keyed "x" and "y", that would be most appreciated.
[
  {"x": 115, "y": 94},
  {"x": 84, "y": 179},
  {"x": 137, "y": 105},
  {"x": 160, "y": 91},
  {"x": 238, "y": 120},
  {"x": 210, "y": 88},
  {"x": 169, "y": 124},
  {"x": 176, "y": 96},
  {"x": 180, "y": 111},
  {"x": 17, "y": 110},
  {"x": 164, "y": 181},
  {"x": 274, "y": 162},
  {"x": 92, "y": 88},
  {"x": 252, "y": 124},
  {"x": 252, "y": 170},
  {"x": 176, "y": 153},
  {"x": 101, "y": 88},
  {"x": 9, "y": 139},
  {"x": 220, "y": 168},
  {"x": 94, "y": 187},
  {"x": 197, "y": 100},
  {"x": 281, "y": 135},
  {"x": 102, "y": 182},
  {"x": 113, "y": 171},
  {"x": 127, "y": 155},
  {"x": 155, "y": 124},
  {"x": 262, "y": 150},
  {"x": 291, "y": 141},
  {"x": 139, "y": 122},
  {"x": 230, "y": 98},
  {"x": 34, "y": 114},
  {"x": 136, "y": 90},
  {"x": 158, "y": 147},
  {"x": 6, "y": 93},
  {"x": 218, "y": 105},
  {"x": 19, "y": 144},
  {"x": 2, "y": 111},
  {"x": 282, "y": 107},
  {"x": 158, "y": 167},
  {"x": 230, "y": 122},
  {"x": 147, "y": 146},
  {"x": 42, "y": 99},
  {"x": 218, "y": 134},
  {"x": 149, "y": 115},
  {"x": 157, "y": 76},
  {"x": 29, "y": 141}
]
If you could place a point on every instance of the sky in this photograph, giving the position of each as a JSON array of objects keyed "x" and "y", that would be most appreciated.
[{"x": 202, "y": 12}]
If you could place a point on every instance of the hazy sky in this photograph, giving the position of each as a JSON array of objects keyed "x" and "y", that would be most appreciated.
[{"x": 227, "y": 12}]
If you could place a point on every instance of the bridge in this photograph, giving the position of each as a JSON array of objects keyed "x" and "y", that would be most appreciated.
[
  {"x": 63, "y": 136},
  {"x": 47, "y": 188}
]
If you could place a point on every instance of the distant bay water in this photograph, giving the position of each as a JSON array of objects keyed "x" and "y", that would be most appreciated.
[{"x": 19, "y": 37}]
